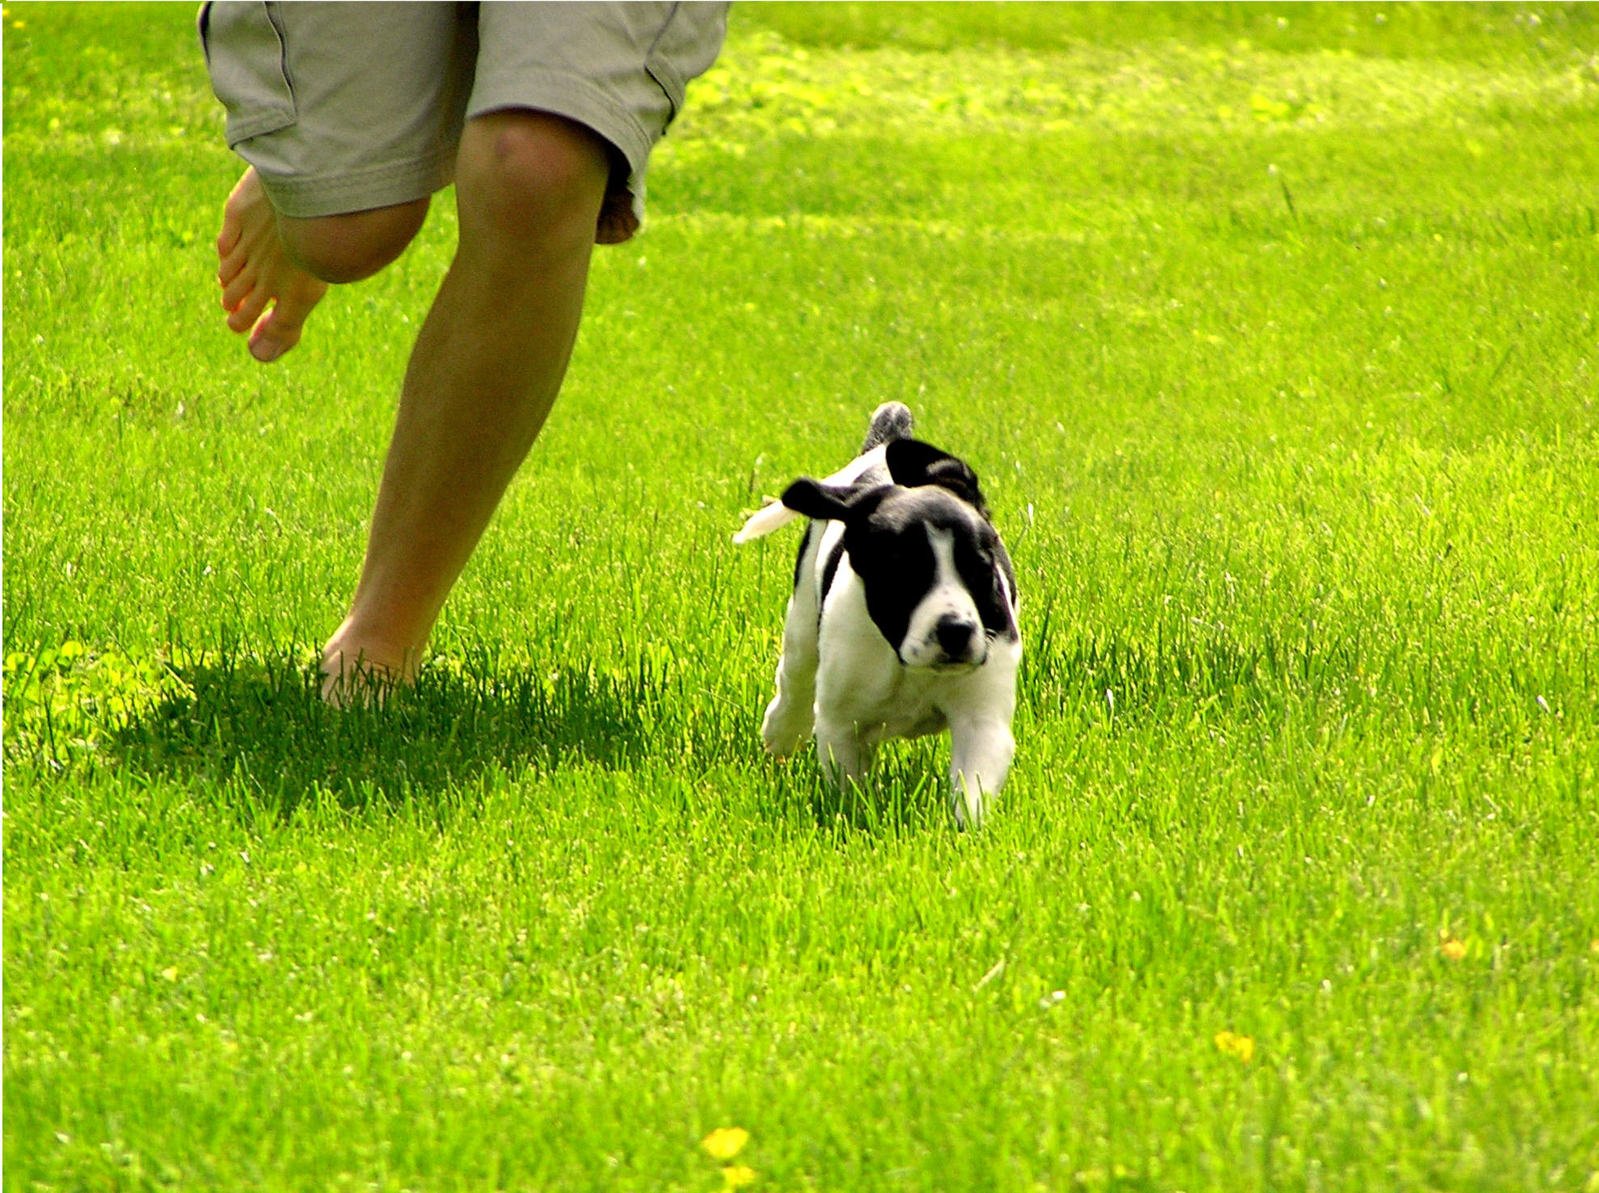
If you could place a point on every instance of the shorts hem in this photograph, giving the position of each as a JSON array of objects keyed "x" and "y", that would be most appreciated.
[
  {"x": 577, "y": 99},
  {"x": 300, "y": 197}
]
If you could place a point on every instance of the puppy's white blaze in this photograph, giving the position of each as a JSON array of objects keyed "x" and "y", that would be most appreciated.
[
  {"x": 776, "y": 515},
  {"x": 947, "y": 598}
]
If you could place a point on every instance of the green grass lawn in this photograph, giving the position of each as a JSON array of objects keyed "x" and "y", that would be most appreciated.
[{"x": 1272, "y": 333}]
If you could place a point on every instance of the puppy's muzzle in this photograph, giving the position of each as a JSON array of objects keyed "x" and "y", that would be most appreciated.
[{"x": 962, "y": 644}]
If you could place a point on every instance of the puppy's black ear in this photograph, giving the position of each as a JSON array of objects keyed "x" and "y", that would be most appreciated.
[
  {"x": 816, "y": 500},
  {"x": 832, "y": 503},
  {"x": 913, "y": 463}
]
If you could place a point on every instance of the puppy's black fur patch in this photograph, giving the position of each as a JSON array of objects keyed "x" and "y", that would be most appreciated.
[{"x": 913, "y": 464}]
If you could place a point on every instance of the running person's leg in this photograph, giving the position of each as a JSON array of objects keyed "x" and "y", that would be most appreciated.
[
  {"x": 485, "y": 371},
  {"x": 567, "y": 102},
  {"x": 348, "y": 115}
]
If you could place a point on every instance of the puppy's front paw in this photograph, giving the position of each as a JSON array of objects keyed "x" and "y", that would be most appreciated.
[{"x": 784, "y": 730}]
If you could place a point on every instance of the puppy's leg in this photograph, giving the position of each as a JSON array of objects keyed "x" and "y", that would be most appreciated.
[
  {"x": 844, "y": 758},
  {"x": 787, "y": 724},
  {"x": 980, "y": 756}
]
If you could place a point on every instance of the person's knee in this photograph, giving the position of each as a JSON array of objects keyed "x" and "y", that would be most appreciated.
[
  {"x": 531, "y": 179},
  {"x": 350, "y": 247}
]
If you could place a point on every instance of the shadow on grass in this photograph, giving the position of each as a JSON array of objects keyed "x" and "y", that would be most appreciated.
[{"x": 262, "y": 723}]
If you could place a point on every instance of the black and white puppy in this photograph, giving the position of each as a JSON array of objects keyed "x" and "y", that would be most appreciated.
[{"x": 903, "y": 616}]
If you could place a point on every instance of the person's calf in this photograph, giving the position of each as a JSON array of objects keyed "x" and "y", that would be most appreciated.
[{"x": 352, "y": 246}]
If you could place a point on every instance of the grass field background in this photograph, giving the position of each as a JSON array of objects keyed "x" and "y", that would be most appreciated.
[{"x": 1271, "y": 331}]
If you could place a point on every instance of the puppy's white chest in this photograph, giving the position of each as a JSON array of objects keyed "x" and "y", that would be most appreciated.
[
  {"x": 909, "y": 707},
  {"x": 861, "y": 682}
]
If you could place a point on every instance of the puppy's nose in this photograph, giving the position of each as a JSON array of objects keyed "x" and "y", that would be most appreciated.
[{"x": 955, "y": 637}]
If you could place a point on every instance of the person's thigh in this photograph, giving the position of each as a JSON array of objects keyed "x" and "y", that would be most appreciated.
[{"x": 342, "y": 107}]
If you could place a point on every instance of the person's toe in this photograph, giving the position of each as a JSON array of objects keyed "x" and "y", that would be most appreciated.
[
  {"x": 237, "y": 289},
  {"x": 273, "y": 336},
  {"x": 228, "y": 239},
  {"x": 231, "y": 265},
  {"x": 280, "y": 331},
  {"x": 244, "y": 316}
]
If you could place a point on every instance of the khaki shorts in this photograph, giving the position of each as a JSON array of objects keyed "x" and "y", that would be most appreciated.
[{"x": 344, "y": 107}]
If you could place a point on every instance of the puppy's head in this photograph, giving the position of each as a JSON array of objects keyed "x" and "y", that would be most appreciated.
[{"x": 939, "y": 586}]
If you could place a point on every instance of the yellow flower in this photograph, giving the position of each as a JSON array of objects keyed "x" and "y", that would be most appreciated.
[
  {"x": 736, "y": 1176},
  {"x": 1233, "y": 1044},
  {"x": 1452, "y": 948},
  {"x": 170, "y": 973},
  {"x": 725, "y": 1142}
]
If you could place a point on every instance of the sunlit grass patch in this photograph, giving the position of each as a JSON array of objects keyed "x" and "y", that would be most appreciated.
[
  {"x": 765, "y": 86},
  {"x": 69, "y": 700}
]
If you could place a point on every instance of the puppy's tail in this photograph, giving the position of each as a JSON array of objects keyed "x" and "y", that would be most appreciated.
[{"x": 890, "y": 421}]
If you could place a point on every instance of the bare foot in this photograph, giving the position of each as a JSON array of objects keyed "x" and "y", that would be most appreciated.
[
  {"x": 256, "y": 272},
  {"x": 357, "y": 674}
]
